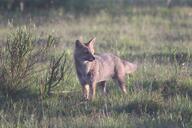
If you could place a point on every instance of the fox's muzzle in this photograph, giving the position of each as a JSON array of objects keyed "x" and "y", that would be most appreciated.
[{"x": 91, "y": 58}]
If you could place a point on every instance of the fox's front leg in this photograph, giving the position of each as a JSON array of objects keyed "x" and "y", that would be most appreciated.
[
  {"x": 103, "y": 85},
  {"x": 86, "y": 91},
  {"x": 92, "y": 90}
]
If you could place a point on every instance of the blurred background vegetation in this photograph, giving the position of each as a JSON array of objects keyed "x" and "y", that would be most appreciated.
[{"x": 85, "y": 5}]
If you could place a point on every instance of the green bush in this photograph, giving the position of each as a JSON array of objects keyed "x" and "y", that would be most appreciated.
[
  {"x": 19, "y": 64},
  {"x": 16, "y": 63}
]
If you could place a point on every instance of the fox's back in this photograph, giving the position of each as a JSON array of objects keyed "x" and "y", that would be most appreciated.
[{"x": 106, "y": 64}]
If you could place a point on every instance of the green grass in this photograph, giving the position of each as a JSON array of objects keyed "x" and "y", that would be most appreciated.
[{"x": 159, "y": 92}]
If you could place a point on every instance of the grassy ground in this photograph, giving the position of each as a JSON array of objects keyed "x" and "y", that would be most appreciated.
[{"x": 159, "y": 92}]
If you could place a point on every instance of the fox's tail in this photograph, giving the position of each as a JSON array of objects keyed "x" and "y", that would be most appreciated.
[{"x": 129, "y": 67}]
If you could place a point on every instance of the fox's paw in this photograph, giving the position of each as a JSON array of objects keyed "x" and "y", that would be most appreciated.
[{"x": 84, "y": 99}]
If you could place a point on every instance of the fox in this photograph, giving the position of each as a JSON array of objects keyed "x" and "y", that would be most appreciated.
[{"x": 95, "y": 69}]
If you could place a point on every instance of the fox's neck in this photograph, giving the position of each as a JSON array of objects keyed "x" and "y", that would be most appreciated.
[{"x": 86, "y": 65}]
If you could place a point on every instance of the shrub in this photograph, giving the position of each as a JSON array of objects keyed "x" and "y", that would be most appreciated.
[
  {"x": 16, "y": 65},
  {"x": 19, "y": 63}
]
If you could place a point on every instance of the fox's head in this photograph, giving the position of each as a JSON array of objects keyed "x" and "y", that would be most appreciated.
[{"x": 85, "y": 51}]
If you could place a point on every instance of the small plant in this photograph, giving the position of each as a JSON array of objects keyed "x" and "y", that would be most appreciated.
[{"x": 58, "y": 71}]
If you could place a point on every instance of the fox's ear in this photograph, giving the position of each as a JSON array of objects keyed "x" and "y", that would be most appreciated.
[
  {"x": 78, "y": 43},
  {"x": 81, "y": 38},
  {"x": 90, "y": 44}
]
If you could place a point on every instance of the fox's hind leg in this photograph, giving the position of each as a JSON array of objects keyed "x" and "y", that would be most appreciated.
[
  {"x": 121, "y": 81},
  {"x": 120, "y": 77},
  {"x": 122, "y": 86}
]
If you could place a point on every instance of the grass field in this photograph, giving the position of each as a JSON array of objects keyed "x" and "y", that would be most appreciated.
[{"x": 159, "y": 93}]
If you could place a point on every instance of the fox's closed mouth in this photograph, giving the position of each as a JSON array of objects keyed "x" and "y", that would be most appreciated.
[{"x": 91, "y": 59}]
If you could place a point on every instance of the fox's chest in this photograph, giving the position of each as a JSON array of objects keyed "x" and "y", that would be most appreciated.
[{"x": 87, "y": 72}]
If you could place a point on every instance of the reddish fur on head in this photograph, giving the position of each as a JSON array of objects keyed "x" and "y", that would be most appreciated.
[{"x": 85, "y": 51}]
